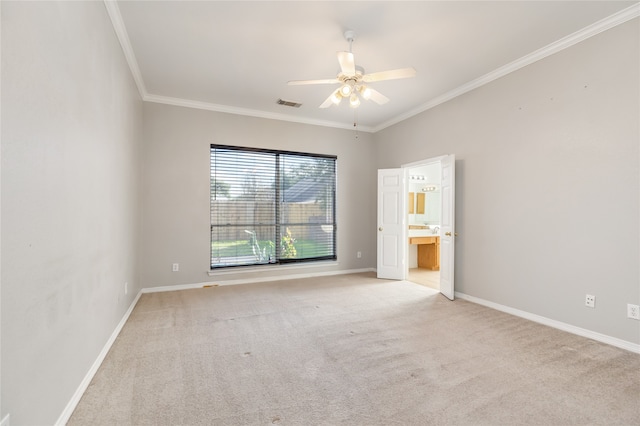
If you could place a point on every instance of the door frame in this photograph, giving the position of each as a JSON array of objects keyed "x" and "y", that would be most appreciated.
[{"x": 406, "y": 168}]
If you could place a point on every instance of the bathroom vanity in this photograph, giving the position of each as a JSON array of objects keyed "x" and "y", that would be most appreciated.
[{"x": 428, "y": 247}]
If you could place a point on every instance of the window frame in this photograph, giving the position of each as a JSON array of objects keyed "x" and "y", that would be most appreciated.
[{"x": 278, "y": 202}]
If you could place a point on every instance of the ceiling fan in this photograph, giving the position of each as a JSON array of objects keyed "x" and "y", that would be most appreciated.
[{"x": 353, "y": 80}]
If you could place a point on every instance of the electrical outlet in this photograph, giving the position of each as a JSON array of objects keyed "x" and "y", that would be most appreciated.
[
  {"x": 633, "y": 311},
  {"x": 359, "y": 255},
  {"x": 175, "y": 267},
  {"x": 590, "y": 301},
  {"x": 126, "y": 288}
]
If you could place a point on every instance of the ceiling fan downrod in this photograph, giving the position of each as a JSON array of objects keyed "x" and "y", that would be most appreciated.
[{"x": 350, "y": 35}]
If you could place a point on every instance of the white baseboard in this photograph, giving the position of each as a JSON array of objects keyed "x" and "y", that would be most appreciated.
[
  {"x": 254, "y": 280},
  {"x": 613, "y": 341},
  {"x": 68, "y": 411},
  {"x": 5, "y": 421}
]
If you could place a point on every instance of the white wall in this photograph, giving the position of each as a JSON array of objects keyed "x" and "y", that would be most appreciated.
[
  {"x": 71, "y": 126},
  {"x": 536, "y": 149},
  {"x": 176, "y": 226},
  {"x": 547, "y": 177}
]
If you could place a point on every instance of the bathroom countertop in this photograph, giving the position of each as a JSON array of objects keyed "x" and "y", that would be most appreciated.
[{"x": 422, "y": 233}]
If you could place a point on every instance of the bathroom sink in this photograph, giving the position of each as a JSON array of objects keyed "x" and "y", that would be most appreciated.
[{"x": 422, "y": 233}]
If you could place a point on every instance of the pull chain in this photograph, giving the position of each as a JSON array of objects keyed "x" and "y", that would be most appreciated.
[{"x": 355, "y": 122}]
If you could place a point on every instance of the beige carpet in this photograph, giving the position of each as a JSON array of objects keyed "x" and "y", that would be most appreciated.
[{"x": 351, "y": 350}]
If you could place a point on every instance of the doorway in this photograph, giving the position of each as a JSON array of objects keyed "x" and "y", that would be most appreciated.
[
  {"x": 393, "y": 227},
  {"x": 423, "y": 216}
]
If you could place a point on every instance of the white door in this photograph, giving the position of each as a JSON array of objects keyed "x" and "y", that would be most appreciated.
[
  {"x": 391, "y": 224},
  {"x": 447, "y": 234}
]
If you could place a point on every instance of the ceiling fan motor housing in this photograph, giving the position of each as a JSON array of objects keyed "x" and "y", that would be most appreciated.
[{"x": 350, "y": 35}]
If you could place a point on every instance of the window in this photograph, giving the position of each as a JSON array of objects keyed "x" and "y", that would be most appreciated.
[{"x": 271, "y": 207}]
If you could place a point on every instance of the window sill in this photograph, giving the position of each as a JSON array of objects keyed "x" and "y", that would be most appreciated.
[{"x": 289, "y": 267}]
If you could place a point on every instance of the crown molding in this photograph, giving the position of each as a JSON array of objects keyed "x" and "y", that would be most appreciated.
[
  {"x": 555, "y": 47},
  {"x": 248, "y": 112},
  {"x": 121, "y": 32},
  {"x": 594, "y": 29}
]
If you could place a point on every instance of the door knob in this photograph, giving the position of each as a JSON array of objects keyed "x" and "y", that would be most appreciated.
[
  {"x": 380, "y": 229},
  {"x": 448, "y": 234}
]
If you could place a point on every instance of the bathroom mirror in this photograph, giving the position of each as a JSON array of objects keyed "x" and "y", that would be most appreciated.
[
  {"x": 432, "y": 207},
  {"x": 424, "y": 207},
  {"x": 424, "y": 195},
  {"x": 412, "y": 202}
]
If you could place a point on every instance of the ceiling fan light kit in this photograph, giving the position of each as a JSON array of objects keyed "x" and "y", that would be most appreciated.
[
  {"x": 365, "y": 92},
  {"x": 354, "y": 100},
  {"x": 335, "y": 98},
  {"x": 353, "y": 78}
]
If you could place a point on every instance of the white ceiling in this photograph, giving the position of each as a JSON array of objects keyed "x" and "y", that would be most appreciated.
[{"x": 237, "y": 56}]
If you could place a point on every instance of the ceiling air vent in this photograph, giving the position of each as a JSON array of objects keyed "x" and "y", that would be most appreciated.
[{"x": 289, "y": 103}]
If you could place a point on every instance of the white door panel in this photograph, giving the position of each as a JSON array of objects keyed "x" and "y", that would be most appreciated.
[
  {"x": 391, "y": 224},
  {"x": 447, "y": 234}
]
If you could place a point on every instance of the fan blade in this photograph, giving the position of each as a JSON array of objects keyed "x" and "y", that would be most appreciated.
[
  {"x": 329, "y": 101},
  {"x": 301, "y": 82},
  {"x": 347, "y": 64},
  {"x": 377, "y": 97},
  {"x": 389, "y": 75}
]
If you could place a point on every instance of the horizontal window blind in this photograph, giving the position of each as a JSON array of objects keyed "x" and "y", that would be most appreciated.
[{"x": 271, "y": 207}]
